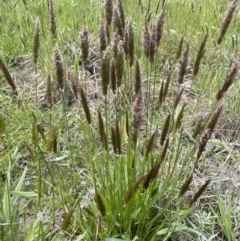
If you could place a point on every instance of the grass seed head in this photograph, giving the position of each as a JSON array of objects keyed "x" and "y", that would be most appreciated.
[
  {"x": 199, "y": 193},
  {"x": 58, "y": 68},
  {"x": 183, "y": 65},
  {"x": 165, "y": 129},
  {"x": 118, "y": 138},
  {"x": 113, "y": 76},
  {"x": 159, "y": 28},
  {"x": 121, "y": 13},
  {"x": 137, "y": 112},
  {"x": 167, "y": 85},
  {"x": 100, "y": 204},
  {"x": 161, "y": 94},
  {"x": 36, "y": 37},
  {"x": 137, "y": 78},
  {"x": 67, "y": 220},
  {"x": 117, "y": 24},
  {"x": 105, "y": 71},
  {"x": 150, "y": 144},
  {"x": 146, "y": 39},
  {"x": 53, "y": 25},
  {"x": 178, "y": 98},
  {"x": 49, "y": 92},
  {"x": 74, "y": 85},
  {"x": 101, "y": 129},
  {"x": 179, "y": 48},
  {"x": 114, "y": 140},
  {"x": 85, "y": 106},
  {"x": 84, "y": 44},
  {"x": 151, "y": 175},
  {"x": 233, "y": 73},
  {"x": 108, "y": 7},
  {"x": 131, "y": 34},
  {"x": 227, "y": 20},
  {"x": 8, "y": 77},
  {"x": 209, "y": 130},
  {"x": 133, "y": 189},
  {"x": 120, "y": 63},
  {"x": 185, "y": 186},
  {"x": 102, "y": 39},
  {"x": 200, "y": 55}
]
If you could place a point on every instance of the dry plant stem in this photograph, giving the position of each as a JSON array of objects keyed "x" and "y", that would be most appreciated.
[
  {"x": 8, "y": 78},
  {"x": 227, "y": 20}
]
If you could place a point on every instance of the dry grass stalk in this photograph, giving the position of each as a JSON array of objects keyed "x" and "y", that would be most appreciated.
[
  {"x": 133, "y": 189},
  {"x": 159, "y": 28},
  {"x": 120, "y": 63},
  {"x": 183, "y": 65},
  {"x": 200, "y": 54},
  {"x": 85, "y": 106},
  {"x": 185, "y": 186},
  {"x": 209, "y": 130},
  {"x": 113, "y": 76},
  {"x": 130, "y": 34},
  {"x": 179, "y": 48},
  {"x": 36, "y": 37},
  {"x": 8, "y": 77},
  {"x": 199, "y": 193},
  {"x": 53, "y": 25},
  {"x": 58, "y": 68},
  {"x": 102, "y": 39},
  {"x": 108, "y": 6},
  {"x": 49, "y": 92},
  {"x": 178, "y": 98},
  {"x": 84, "y": 44},
  {"x": 101, "y": 130},
  {"x": 165, "y": 129},
  {"x": 105, "y": 71},
  {"x": 100, "y": 204},
  {"x": 74, "y": 85},
  {"x": 233, "y": 73},
  {"x": 67, "y": 220},
  {"x": 227, "y": 20},
  {"x": 137, "y": 78}
]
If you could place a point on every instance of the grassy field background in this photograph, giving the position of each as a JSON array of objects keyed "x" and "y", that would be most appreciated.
[{"x": 110, "y": 137}]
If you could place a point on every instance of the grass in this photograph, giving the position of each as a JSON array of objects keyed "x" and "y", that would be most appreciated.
[{"x": 110, "y": 137}]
